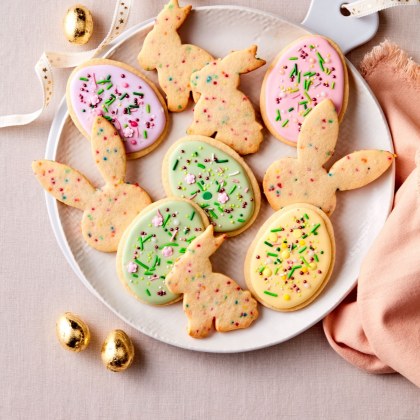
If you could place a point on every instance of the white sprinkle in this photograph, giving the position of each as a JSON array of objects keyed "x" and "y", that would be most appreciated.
[{"x": 234, "y": 173}]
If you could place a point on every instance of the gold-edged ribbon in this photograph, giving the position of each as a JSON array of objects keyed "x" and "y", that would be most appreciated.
[{"x": 50, "y": 60}]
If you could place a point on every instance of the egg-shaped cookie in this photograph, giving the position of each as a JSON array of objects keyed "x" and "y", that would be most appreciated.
[
  {"x": 291, "y": 258},
  {"x": 123, "y": 96},
  {"x": 151, "y": 245},
  {"x": 302, "y": 75},
  {"x": 215, "y": 177}
]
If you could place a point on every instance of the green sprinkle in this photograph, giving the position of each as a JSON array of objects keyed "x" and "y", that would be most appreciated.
[
  {"x": 241, "y": 220},
  {"x": 293, "y": 270},
  {"x": 304, "y": 261},
  {"x": 182, "y": 250},
  {"x": 278, "y": 116},
  {"x": 321, "y": 65},
  {"x": 293, "y": 58},
  {"x": 133, "y": 106},
  {"x": 302, "y": 249},
  {"x": 270, "y": 293},
  {"x": 304, "y": 236},
  {"x": 145, "y": 134},
  {"x": 192, "y": 215},
  {"x": 276, "y": 230},
  {"x": 85, "y": 79},
  {"x": 285, "y": 123},
  {"x": 276, "y": 270},
  {"x": 148, "y": 292},
  {"x": 155, "y": 261},
  {"x": 101, "y": 82},
  {"x": 261, "y": 269},
  {"x": 148, "y": 108},
  {"x": 315, "y": 228},
  {"x": 272, "y": 254},
  {"x": 100, "y": 91},
  {"x": 309, "y": 73},
  {"x": 123, "y": 96},
  {"x": 107, "y": 117},
  {"x": 213, "y": 214},
  {"x": 307, "y": 112},
  {"x": 332, "y": 85},
  {"x": 169, "y": 262},
  {"x": 303, "y": 102},
  {"x": 200, "y": 165},
  {"x": 166, "y": 220},
  {"x": 138, "y": 262},
  {"x": 299, "y": 77},
  {"x": 200, "y": 186},
  {"x": 290, "y": 109},
  {"x": 141, "y": 243},
  {"x": 105, "y": 108},
  {"x": 320, "y": 57},
  {"x": 330, "y": 121},
  {"x": 222, "y": 160},
  {"x": 268, "y": 244},
  {"x": 147, "y": 238},
  {"x": 148, "y": 273},
  {"x": 109, "y": 86},
  {"x": 175, "y": 165},
  {"x": 316, "y": 258},
  {"x": 168, "y": 244},
  {"x": 232, "y": 190},
  {"x": 307, "y": 96},
  {"x": 138, "y": 93},
  {"x": 191, "y": 239},
  {"x": 306, "y": 216}
]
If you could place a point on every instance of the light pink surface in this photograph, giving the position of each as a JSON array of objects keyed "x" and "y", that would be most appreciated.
[
  {"x": 379, "y": 332},
  {"x": 302, "y": 378}
]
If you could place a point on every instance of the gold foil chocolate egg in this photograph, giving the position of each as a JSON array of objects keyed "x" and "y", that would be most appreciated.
[
  {"x": 73, "y": 334},
  {"x": 78, "y": 24},
  {"x": 117, "y": 351}
]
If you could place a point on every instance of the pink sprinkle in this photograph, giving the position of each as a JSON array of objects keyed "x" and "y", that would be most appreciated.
[
  {"x": 125, "y": 85},
  {"x": 128, "y": 132},
  {"x": 167, "y": 251},
  {"x": 246, "y": 189},
  {"x": 158, "y": 219},
  {"x": 133, "y": 142},
  {"x": 132, "y": 267},
  {"x": 94, "y": 99},
  {"x": 133, "y": 123},
  {"x": 222, "y": 198},
  {"x": 190, "y": 179}
]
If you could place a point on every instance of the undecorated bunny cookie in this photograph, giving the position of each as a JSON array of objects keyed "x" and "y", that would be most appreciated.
[
  {"x": 175, "y": 62},
  {"x": 304, "y": 179},
  {"x": 209, "y": 296},
  {"x": 107, "y": 210},
  {"x": 222, "y": 108}
]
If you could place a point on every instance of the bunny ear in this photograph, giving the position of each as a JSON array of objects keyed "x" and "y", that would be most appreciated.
[
  {"x": 108, "y": 151},
  {"x": 64, "y": 183},
  {"x": 318, "y": 135},
  {"x": 360, "y": 168},
  {"x": 242, "y": 61}
]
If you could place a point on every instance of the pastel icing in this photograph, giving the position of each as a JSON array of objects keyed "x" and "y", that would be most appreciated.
[
  {"x": 217, "y": 182},
  {"x": 292, "y": 258},
  {"x": 309, "y": 71},
  {"x": 150, "y": 249},
  {"x": 123, "y": 98}
]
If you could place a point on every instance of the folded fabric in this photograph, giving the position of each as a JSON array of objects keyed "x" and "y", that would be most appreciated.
[{"x": 377, "y": 328}]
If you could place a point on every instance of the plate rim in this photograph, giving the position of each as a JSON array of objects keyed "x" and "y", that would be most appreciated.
[{"x": 60, "y": 118}]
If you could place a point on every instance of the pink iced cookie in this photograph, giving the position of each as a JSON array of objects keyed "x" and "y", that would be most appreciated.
[
  {"x": 124, "y": 97},
  {"x": 302, "y": 75}
]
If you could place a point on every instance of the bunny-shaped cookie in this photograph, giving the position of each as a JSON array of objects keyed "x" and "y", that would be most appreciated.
[
  {"x": 175, "y": 62},
  {"x": 304, "y": 180},
  {"x": 222, "y": 108},
  {"x": 209, "y": 296},
  {"x": 107, "y": 210}
]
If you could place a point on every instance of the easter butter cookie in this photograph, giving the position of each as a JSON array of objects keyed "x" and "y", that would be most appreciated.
[
  {"x": 303, "y": 74},
  {"x": 216, "y": 178},
  {"x": 123, "y": 96},
  {"x": 304, "y": 179},
  {"x": 175, "y": 62},
  {"x": 292, "y": 257},
  {"x": 108, "y": 210},
  {"x": 152, "y": 243},
  {"x": 209, "y": 296}
]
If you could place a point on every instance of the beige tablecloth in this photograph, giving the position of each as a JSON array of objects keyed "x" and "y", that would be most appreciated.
[{"x": 302, "y": 378}]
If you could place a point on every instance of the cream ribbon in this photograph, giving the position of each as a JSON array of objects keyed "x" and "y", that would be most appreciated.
[
  {"x": 50, "y": 60},
  {"x": 362, "y": 8}
]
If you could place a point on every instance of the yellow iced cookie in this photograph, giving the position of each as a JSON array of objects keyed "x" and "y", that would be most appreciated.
[{"x": 292, "y": 257}]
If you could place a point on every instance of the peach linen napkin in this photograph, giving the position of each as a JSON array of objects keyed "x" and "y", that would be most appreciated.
[{"x": 377, "y": 328}]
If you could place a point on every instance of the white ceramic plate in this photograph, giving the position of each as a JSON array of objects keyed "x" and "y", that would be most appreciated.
[{"x": 357, "y": 220}]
